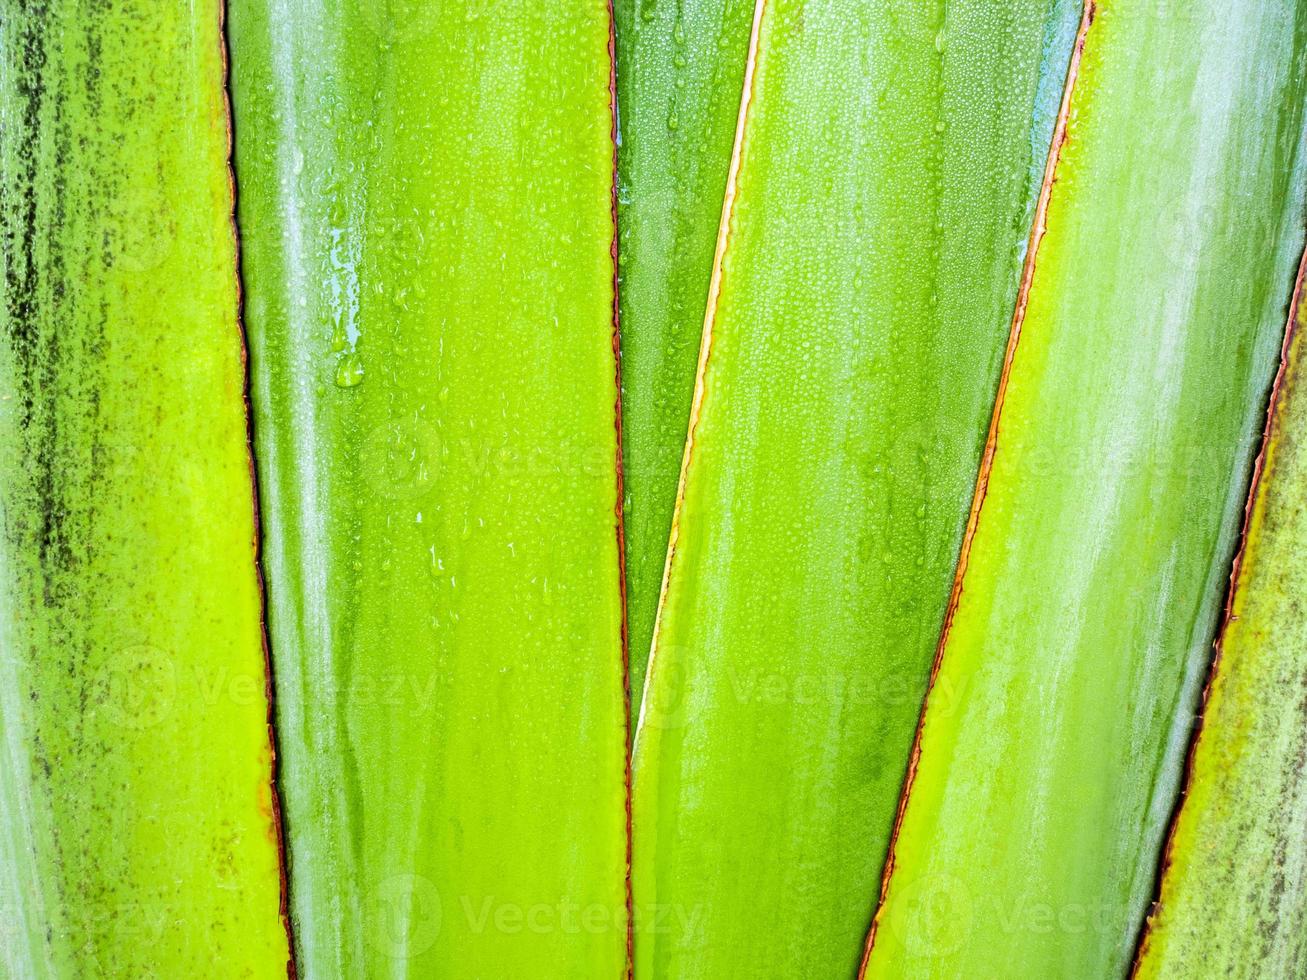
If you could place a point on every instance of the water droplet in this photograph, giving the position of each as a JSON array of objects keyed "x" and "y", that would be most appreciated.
[{"x": 349, "y": 371}]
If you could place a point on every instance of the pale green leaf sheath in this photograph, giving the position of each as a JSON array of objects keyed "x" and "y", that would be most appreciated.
[
  {"x": 1053, "y": 740},
  {"x": 888, "y": 161},
  {"x": 426, "y": 189},
  {"x": 680, "y": 64},
  {"x": 1234, "y": 894},
  {"x": 137, "y": 825}
]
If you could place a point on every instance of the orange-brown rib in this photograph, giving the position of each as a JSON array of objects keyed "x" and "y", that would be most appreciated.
[
  {"x": 619, "y": 510},
  {"x": 705, "y": 343},
  {"x": 1254, "y": 484},
  {"x": 1037, "y": 230},
  {"x": 269, "y": 688}
]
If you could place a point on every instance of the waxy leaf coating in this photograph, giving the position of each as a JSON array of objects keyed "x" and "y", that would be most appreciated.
[
  {"x": 427, "y": 204},
  {"x": 138, "y": 829}
]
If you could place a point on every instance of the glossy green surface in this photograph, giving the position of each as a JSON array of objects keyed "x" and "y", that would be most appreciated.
[
  {"x": 679, "y": 70},
  {"x": 1031, "y": 837},
  {"x": 426, "y": 195},
  {"x": 1234, "y": 896},
  {"x": 889, "y": 162},
  {"x": 136, "y": 829}
]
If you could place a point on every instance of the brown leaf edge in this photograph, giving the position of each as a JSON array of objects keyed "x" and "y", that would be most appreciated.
[
  {"x": 619, "y": 514},
  {"x": 1232, "y": 589},
  {"x": 1038, "y": 228},
  {"x": 277, "y": 829},
  {"x": 706, "y": 339}
]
